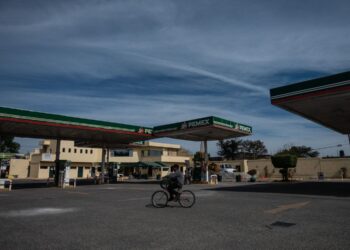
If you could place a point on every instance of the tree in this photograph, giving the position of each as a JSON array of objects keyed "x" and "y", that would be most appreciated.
[
  {"x": 253, "y": 149},
  {"x": 284, "y": 162},
  {"x": 7, "y": 145},
  {"x": 198, "y": 157},
  {"x": 213, "y": 167},
  {"x": 238, "y": 149},
  {"x": 229, "y": 149},
  {"x": 299, "y": 151}
]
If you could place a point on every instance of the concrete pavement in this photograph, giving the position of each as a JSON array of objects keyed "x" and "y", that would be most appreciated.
[{"x": 119, "y": 216}]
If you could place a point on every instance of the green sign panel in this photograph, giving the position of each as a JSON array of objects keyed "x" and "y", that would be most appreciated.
[{"x": 203, "y": 122}]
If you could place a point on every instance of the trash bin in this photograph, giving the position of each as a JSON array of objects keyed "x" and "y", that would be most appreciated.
[
  {"x": 238, "y": 178},
  {"x": 213, "y": 179},
  {"x": 219, "y": 178}
]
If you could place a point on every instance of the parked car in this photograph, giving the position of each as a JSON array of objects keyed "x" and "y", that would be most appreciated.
[{"x": 227, "y": 168}]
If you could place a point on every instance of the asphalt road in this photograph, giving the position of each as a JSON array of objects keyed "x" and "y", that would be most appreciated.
[{"x": 231, "y": 216}]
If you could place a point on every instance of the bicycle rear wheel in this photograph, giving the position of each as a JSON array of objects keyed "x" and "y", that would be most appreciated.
[
  {"x": 159, "y": 198},
  {"x": 187, "y": 199}
]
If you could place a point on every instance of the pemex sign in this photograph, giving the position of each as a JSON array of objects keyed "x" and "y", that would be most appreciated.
[{"x": 204, "y": 122}]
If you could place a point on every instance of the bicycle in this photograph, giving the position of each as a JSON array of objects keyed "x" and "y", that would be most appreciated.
[{"x": 160, "y": 198}]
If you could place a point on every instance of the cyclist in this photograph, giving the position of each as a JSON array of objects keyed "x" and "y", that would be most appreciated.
[{"x": 176, "y": 181}]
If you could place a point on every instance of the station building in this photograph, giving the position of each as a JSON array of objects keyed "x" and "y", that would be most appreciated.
[{"x": 147, "y": 158}]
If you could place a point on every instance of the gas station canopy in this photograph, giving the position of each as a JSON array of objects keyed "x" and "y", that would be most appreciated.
[
  {"x": 203, "y": 129},
  {"x": 93, "y": 133},
  {"x": 23, "y": 123},
  {"x": 323, "y": 100}
]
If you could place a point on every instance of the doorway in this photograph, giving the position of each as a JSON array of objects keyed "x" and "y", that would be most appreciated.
[{"x": 80, "y": 172}]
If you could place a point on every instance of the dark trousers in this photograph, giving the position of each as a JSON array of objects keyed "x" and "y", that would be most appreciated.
[{"x": 171, "y": 189}]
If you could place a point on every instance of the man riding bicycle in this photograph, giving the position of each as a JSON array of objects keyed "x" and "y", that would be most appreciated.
[{"x": 176, "y": 181}]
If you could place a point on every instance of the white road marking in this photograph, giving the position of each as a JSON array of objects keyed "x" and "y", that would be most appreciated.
[{"x": 37, "y": 212}]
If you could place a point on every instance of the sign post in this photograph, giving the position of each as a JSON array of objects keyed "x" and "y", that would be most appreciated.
[{"x": 66, "y": 173}]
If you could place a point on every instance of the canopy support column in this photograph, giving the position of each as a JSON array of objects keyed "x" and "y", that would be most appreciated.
[
  {"x": 57, "y": 161},
  {"x": 103, "y": 163},
  {"x": 206, "y": 160}
]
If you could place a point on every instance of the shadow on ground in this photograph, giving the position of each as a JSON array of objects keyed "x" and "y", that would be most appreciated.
[
  {"x": 339, "y": 189},
  {"x": 23, "y": 183}
]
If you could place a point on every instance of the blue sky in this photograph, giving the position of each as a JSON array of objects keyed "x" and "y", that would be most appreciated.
[{"x": 156, "y": 62}]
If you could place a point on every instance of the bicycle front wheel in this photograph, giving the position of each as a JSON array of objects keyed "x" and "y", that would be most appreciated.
[
  {"x": 187, "y": 199},
  {"x": 160, "y": 199}
]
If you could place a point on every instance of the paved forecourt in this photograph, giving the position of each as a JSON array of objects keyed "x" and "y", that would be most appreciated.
[{"x": 227, "y": 216}]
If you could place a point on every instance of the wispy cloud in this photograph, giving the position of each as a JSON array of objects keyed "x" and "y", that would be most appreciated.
[{"x": 163, "y": 61}]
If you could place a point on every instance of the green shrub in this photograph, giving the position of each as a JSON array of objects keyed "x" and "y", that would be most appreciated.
[
  {"x": 252, "y": 172},
  {"x": 214, "y": 167},
  {"x": 284, "y": 161}
]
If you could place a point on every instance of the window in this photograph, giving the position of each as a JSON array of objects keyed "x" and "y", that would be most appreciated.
[
  {"x": 91, "y": 151},
  {"x": 155, "y": 153},
  {"x": 121, "y": 152},
  {"x": 69, "y": 150},
  {"x": 81, "y": 151},
  {"x": 63, "y": 150},
  {"x": 43, "y": 167},
  {"x": 75, "y": 151},
  {"x": 86, "y": 151},
  {"x": 172, "y": 153}
]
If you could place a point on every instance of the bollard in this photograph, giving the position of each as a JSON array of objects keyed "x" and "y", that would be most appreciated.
[
  {"x": 10, "y": 186},
  {"x": 75, "y": 183}
]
